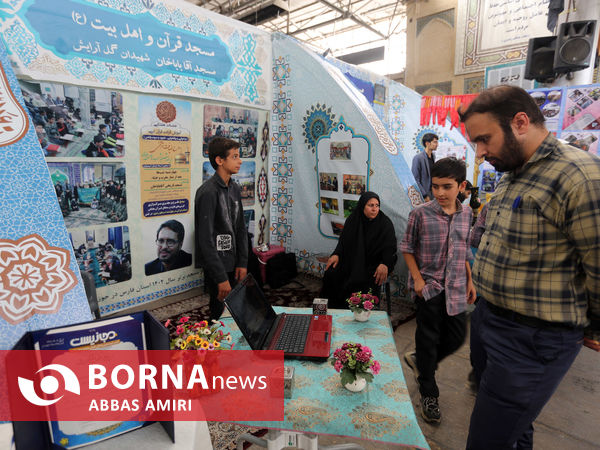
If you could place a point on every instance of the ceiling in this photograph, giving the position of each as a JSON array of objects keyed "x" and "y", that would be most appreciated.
[{"x": 340, "y": 28}]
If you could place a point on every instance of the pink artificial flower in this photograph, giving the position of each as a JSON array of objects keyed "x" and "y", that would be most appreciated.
[
  {"x": 180, "y": 329},
  {"x": 375, "y": 299},
  {"x": 204, "y": 323},
  {"x": 167, "y": 323},
  {"x": 362, "y": 357},
  {"x": 338, "y": 366},
  {"x": 354, "y": 300},
  {"x": 375, "y": 367},
  {"x": 368, "y": 305},
  {"x": 211, "y": 346},
  {"x": 184, "y": 319}
]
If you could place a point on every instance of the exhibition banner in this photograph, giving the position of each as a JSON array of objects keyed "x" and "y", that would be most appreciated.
[{"x": 148, "y": 45}]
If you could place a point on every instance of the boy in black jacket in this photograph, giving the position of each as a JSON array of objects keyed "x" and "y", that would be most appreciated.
[{"x": 221, "y": 235}]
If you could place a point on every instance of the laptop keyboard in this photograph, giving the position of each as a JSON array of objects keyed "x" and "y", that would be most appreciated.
[{"x": 293, "y": 335}]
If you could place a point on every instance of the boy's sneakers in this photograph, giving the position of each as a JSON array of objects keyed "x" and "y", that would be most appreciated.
[
  {"x": 430, "y": 409},
  {"x": 411, "y": 360}
]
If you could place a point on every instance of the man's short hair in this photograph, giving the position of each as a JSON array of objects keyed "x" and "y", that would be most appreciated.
[
  {"x": 503, "y": 102},
  {"x": 102, "y": 127},
  {"x": 98, "y": 138},
  {"x": 174, "y": 225},
  {"x": 450, "y": 168},
  {"x": 428, "y": 138},
  {"x": 220, "y": 146}
]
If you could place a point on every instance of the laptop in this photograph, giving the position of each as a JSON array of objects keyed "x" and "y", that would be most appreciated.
[{"x": 302, "y": 336}]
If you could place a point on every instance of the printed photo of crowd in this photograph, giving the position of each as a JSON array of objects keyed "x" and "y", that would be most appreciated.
[
  {"x": 104, "y": 253},
  {"x": 238, "y": 124},
  {"x": 90, "y": 194},
  {"x": 73, "y": 121}
]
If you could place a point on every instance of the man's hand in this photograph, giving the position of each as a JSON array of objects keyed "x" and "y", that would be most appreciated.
[
  {"x": 332, "y": 261},
  {"x": 240, "y": 273},
  {"x": 471, "y": 294},
  {"x": 591, "y": 343},
  {"x": 380, "y": 274},
  {"x": 224, "y": 290},
  {"x": 419, "y": 286}
]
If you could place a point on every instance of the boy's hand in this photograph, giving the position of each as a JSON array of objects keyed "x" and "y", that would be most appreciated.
[
  {"x": 240, "y": 273},
  {"x": 332, "y": 261},
  {"x": 471, "y": 294},
  {"x": 224, "y": 290},
  {"x": 419, "y": 286},
  {"x": 380, "y": 274}
]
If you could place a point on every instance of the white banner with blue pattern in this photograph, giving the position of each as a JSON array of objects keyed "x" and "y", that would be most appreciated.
[{"x": 142, "y": 45}]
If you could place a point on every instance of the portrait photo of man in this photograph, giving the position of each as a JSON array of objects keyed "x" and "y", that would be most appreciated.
[{"x": 170, "y": 256}]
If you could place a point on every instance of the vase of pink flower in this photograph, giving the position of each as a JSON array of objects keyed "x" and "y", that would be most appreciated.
[
  {"x": 356, "y": 365},
  {"x": 361, "y": 305}
]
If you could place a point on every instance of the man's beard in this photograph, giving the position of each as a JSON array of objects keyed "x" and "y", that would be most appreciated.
[{"x": 512, "y": 156}]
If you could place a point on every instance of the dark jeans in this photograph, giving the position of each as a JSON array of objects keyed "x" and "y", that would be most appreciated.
[
  {"x": 215, "y": 305},
  {"x": 438, "y": 335},
  {"x": 521, "y": 367}
]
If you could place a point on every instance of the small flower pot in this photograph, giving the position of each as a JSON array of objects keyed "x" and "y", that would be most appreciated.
[
  {"x": 357, "y": 385},
  {"x": 361, "y": 315}
]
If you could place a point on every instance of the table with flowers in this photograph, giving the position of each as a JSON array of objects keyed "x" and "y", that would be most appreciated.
[{"x": 320, "y": 404}]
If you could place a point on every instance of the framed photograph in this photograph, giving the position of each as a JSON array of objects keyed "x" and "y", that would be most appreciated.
[
  {"x": 329, "y": 205},
  {"x": 328, "y": 182},
  {"x": 354, "y": 184},
  {"x": 340, "y": 151}
]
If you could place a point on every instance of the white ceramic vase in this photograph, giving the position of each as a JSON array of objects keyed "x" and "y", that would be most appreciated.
[
  {"x": 357, "y": 385},
  {"x": 361, "y": 315}
]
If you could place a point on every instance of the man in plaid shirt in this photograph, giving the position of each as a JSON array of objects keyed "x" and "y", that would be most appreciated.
[
  {"x": 437, "y": 255},
  {"x": 537, "y": 267}
]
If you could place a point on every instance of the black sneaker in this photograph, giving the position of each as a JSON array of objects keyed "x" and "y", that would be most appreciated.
[
  {"x": 430, "y": 409},
  {"x": 411, "y": 360}
]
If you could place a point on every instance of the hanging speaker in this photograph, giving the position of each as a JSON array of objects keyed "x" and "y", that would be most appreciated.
[
  {"x": 540, "y": 59},
  {"x": 574, "y": 44}
]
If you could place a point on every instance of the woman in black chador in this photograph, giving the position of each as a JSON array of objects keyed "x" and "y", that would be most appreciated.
[{"x": 364, "y": 256}]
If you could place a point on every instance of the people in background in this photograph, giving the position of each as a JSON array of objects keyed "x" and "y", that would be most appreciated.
[
  {"x": 221, "y": 234},
  {"x": 96, "y": 148},
  {"x": 436, "y": 252},
  {"x": 536, "y": 269},
  {"x": 364, "y": 256},
  {"x": 464, "y": 196},
  {"x": 422, "y": 164},
  {"x": 169, "y": 240}
]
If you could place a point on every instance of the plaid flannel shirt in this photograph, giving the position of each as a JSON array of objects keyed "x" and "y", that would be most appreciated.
[
  {"x": 540, "y": 253},
  {"x": 438, "y": 242}
]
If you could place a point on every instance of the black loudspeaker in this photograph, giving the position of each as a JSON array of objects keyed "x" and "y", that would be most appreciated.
[
  {"x": 540, "y": 59},
  {"x": 574, "y": 45}
]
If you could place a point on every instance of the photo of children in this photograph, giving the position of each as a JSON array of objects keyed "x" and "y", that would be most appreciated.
[
  {"x": 233, "y": 123},
  {"x": 354, "y": 184},
  {"x": 90, "y": 193},
  {"x": 328, "y": 181},
  {"x": 105, "y": 253},
  {"x": 72, "y": 121},
  {"x": 340, "y": 151},
  {"x": 329, "y": 205},
  {"x": 349, "y": 206},
  {"x": 245, "y": 178}
]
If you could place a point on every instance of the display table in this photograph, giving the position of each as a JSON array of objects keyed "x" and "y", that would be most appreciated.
[{"x": 321, "y": 405}]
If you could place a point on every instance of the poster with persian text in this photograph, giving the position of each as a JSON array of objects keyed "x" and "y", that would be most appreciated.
[
  {"x": 496, "y": 31},
  {"x": 165, "y": 148}
]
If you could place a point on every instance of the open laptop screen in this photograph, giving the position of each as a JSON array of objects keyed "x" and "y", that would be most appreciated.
[{"x": 251, "y": 311}]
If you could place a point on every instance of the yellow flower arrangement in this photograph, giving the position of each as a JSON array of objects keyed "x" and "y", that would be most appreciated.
[{"x": 198, "y": 335}]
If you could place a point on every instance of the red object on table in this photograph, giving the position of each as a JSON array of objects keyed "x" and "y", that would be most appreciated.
[{"x": 263, "y": 257}]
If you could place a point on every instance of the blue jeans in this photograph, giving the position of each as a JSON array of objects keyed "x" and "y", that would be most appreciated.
[{"x": 521, "y": 367}]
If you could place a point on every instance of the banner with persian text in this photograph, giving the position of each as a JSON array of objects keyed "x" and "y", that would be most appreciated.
[{"x": 143, "y": 45}]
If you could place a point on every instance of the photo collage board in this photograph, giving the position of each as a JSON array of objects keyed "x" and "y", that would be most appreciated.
[
  {"x": 125, "y": 169},
  {"x": 571, "y": 114},
  {"x": 343, "y": 175}
]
